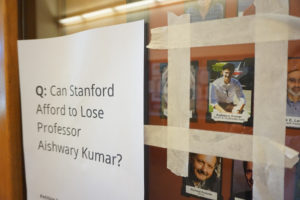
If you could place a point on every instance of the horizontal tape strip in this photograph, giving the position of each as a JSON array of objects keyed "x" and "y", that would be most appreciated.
[
  {"x": 237, "y": 30},
  {"x": 227, "y": 145}
]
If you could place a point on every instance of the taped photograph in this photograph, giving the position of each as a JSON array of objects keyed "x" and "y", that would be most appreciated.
[
  {"x": 293, "y": 93},
  {"x": 201, "y": 10},
  {"x": 164, "y": 90},
  {"x": 230, "y": 91},
  {"x": 204, "y": 179},
  {"x": 242, "y": 181}
]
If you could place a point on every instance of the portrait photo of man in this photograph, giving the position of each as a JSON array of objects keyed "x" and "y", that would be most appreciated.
[
  {"x": 293, "y": 88},
  {"x": 242, "y": 181},
  {"x": 230, "y": 87},
  {"x": 225, "y": 89},
  {"x": 164, "y": 89},
  {"x": 204, "y": 177}
]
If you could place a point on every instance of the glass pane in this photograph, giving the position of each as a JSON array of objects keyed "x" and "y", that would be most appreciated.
[{"x": 232, "y": 178}]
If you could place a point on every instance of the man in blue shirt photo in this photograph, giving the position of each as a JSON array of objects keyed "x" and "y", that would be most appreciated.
[{"x": 224, "y": 90}]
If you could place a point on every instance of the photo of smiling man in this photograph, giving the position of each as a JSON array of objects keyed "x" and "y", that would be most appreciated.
[
  {"x": 204, "y": 177},
  {"x": 223, "y": 91},
  {"x": 293, "y": 88},
  {"x": 230, "y": 91},
  {"x": 293, "y": 94}
]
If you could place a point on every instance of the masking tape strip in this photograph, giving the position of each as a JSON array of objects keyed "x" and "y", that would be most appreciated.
[
  {"x": 269, "y": 120},
  {"x": 222, "y": 144},
  {"x": 270, "y": 109},
  {"x": 178, "y": 83},
  {"x": 238, "y": 30},
  {"x": 271, "y": 6}
]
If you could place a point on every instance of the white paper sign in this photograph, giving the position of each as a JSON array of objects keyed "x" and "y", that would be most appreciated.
[{"x": 82, "y": 114}]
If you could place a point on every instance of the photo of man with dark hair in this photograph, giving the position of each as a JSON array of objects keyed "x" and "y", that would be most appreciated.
[
  {"x": 204, "y": 176},
  {"x": 230, "y": 86},
  {"x": 225, "y": 89}
]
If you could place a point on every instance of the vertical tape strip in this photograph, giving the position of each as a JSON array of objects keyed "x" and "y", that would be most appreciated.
[
  {"x": 269, "y": 120},
  {"x": 269, "y": 108},
  {"x": 178, "y": 94}
]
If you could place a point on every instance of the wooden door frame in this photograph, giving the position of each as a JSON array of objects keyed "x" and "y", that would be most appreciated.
[{"x": 12, "y": 180}]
